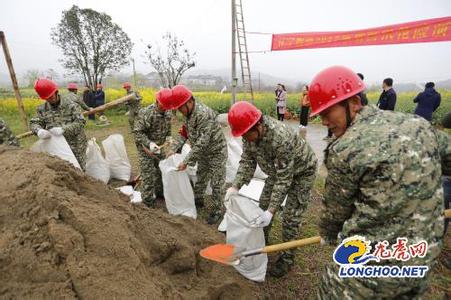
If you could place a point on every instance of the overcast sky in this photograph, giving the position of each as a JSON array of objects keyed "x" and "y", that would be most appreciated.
[{"x": 205, "y": 26}]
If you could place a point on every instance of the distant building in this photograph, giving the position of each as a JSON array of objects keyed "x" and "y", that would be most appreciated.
[{"x": 203, "y": 80}]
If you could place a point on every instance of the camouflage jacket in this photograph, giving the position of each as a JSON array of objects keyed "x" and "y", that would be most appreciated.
[
  {"x": 6, "y": 135},
  {"x": 281, "y": 153},
  {"x": 204, "y": 134},
  {"x": 65, "y": 114},
  {"x": 384, "y": 179},
  {"x": 78, "y": 100},
  {"x": 134, "y": 105},
  {"x": 152, "y": 126}
]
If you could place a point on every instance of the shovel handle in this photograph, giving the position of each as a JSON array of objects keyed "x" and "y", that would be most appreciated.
[
  {"x": 309, "y": 241},
  {"x": 292, "y": 244}
]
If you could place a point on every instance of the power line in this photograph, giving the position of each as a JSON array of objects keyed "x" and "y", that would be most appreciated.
[{"x": 257, "y": 32}]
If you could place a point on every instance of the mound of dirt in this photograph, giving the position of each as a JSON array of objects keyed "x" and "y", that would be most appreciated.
[{"x": 63, "y": 235}]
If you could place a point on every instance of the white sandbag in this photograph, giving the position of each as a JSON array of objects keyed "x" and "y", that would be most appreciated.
[
  {"x": 96, "y": 164},
  {"x": 116, "y": 156},
  {"x": 223, "y": 225},
  {"x": 135, "y": 197},
  {"x": 240, "y": 213},
  {"x": 191, "y": 170},
  {"x": 178, "y": 193},
  {"x": 259, "y": 173},
  {"x": 57, "y": 146},
  {"x": 235, "y": 150},
  {"x": 233, "y": 159},
  {"x": 253, "y": 190}
]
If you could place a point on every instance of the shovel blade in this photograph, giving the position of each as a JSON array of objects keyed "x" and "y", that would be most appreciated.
[{"x": 222, "y": 253}]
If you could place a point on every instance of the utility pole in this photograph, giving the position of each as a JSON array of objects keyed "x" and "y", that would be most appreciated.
[
  {"x": 259, "y": 82},
  {"x": 134, "y": 75},
  {"x": 9, "y": 62},
  {"x": 234, "y": 79}
]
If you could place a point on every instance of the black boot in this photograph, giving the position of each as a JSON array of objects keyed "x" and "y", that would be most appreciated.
[
  {"x": 214, "y": 217},
  {"x": 199, "y": 202},
  {"x": 281, "y": 267}
]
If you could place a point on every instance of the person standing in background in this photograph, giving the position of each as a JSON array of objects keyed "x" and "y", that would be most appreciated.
[
  {"x": 305, "y": 107},
  {"x": 99, "y": 99},
  {"x": 73, "y": 89},
  {"x": 88, "y": 99},
  {"x": 363, "y": 97},
  {"x": 427, "y": 101},
  {"x": 281, "y": 101},
  {"x": 387, "y": 99}
]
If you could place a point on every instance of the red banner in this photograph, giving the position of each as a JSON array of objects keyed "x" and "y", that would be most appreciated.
[{"x": 424, "y": 31}]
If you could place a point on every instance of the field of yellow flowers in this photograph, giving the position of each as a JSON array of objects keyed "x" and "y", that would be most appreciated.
[{"x": 221, "y": 102}]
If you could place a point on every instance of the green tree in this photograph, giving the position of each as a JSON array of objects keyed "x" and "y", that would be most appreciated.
[
  {"x": 91, "y": 44},
  {"x": 170, "y": 67}
]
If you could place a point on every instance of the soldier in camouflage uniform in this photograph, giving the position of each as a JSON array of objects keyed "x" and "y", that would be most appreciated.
[
  {"x": 152, "y": 129},
  {"x": 208, "y": 148},
  {"x": 72, "y": 95},
  {"x": 290, "y": 164},
  {"x": 6, "y": 135},
  {"x": 60, "y": 116},
  {"x": 383, "y": 182},
  {"x": 133, "y": 105}
]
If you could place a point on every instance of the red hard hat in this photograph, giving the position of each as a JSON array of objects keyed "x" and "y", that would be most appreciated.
[
  {"x": 126, "y": 85},
  {"x": 242, "y": 117},
  {"x": 45, "y": 88},
  {"x": 180, "y": 95},
  {"x": 331, "y": 86},
  {"x": 164, "y": 98},
  {"x": 72, "y": 86}
]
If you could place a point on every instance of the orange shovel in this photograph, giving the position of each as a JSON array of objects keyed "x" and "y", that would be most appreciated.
[{"x": 229, "y": 254}]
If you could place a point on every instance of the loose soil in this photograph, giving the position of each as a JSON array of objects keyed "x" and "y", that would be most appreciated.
[{"x": 66, "y": 235}]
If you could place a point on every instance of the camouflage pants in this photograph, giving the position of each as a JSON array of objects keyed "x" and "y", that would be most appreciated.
[
  {"x": 133, "y": 113},
  {"x": 334, "y": 287},
  {"x": 152, "y": 183},
  {"x": 213, "y": 169},
  {"x": 80, "y": 154},
  {"x": 297, "y": 200}
]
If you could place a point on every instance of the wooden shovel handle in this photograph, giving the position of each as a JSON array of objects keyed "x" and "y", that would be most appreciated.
[
  {"x": 309, "y": 241},
  {"x": 292, "y": 244},
  {"x": 93, "y": 111}
]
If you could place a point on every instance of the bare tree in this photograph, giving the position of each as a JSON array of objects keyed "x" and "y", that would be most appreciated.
[
  {"x": 91, "y": 44},
  {"x": 170, "y": 67},
  {"x": 52, "y": 74},
  {"x": 31, "y": 75}
]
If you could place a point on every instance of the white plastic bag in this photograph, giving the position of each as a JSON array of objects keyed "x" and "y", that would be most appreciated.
[
  {"x": 233, "y": 159},
  {"x": 235, "y": 150},
  {"x": 240, "y": 213},
  {"x": 253, "y": 190},
  {"x": 57, "y": 146},
  {"x": 259, "y": 173},
  {"x": 135, "y": 197},
  {"x": 116, "y": 156},
  {"x": 96, "y": 165},
  {"x": 178, "y": 193},
  {"x": 191, "y": 170}
]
